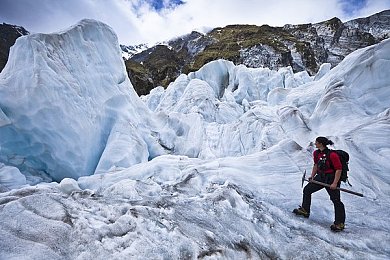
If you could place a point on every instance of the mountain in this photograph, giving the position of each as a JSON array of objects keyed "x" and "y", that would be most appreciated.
[
  {"x": 8, "y": 35},
  {"x": 129, "y": 51},
  {"x": 303, "y": 47},
  {"x": 208, "y": 168}
]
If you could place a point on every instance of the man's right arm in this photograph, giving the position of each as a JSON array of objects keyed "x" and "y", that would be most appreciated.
[{"x": 313, "y": 171}]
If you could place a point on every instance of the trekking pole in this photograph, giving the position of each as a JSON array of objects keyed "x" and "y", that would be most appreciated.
[{"x": 327, "y": 185}]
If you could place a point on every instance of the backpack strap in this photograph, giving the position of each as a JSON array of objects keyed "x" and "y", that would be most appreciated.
[
  {"x": 328, "y": 152},
  {"x": 328, "y": 158},
  {"x": 316, "y": 152}
]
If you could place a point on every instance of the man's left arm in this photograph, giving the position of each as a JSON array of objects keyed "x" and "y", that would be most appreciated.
[
  {"x": 337, "y": 165},
  {"x": 337, "y": 176}
]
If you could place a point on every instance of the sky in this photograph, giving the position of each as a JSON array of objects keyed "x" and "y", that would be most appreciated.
[{"x": 152, "y": 21}]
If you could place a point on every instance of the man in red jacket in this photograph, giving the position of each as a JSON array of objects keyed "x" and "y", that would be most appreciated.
[{"x": 323, "y": 172}]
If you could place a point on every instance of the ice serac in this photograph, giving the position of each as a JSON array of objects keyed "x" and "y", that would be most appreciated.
[
  {"x": 61, "y": 97},
  {"x": 355, "y": 91}
]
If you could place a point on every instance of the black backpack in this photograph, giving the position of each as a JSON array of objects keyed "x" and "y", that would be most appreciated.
[{"x": 344, "y": 159}]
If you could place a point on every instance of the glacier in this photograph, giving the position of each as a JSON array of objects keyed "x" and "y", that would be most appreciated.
[
  {"x": 208, "y": 168},
  {"x": 63, "y": 91}
]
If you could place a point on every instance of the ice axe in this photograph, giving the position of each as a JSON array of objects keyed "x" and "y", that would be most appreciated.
[{"x": 327, "y": 185}]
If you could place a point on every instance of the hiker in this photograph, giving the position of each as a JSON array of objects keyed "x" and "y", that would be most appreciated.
[{"x": 323, "y": 172}]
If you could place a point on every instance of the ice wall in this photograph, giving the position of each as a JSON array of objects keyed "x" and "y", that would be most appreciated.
[{"x": 61, "y": 97}]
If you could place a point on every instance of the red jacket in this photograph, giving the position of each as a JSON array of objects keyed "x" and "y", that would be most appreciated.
[{"x": 334, "y": 157}]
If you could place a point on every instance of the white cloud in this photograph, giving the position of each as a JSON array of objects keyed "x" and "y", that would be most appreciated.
[
  {"x": 371, "y": 7},
  {"x": 147, "y": 25}
]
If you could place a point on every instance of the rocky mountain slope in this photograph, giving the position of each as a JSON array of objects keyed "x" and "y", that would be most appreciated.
[
  {"x": 303, "y": 47},
  {"x": 8, "y": 35}
]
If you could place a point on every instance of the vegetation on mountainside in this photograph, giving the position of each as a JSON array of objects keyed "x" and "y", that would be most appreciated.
[
  {"x": 367, "y": 38},
  {"x": 274, "y": 46},
  {"x": 160, "y": 66},
  {"x": 139, "y": 76},
  {"x": 308, "y": 54},
  {"x": 233, "y": 38},
  {"x": 334, "y": 23}
]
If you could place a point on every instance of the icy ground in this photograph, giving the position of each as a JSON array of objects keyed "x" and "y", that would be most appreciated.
[{"x": 209, "y": 168}]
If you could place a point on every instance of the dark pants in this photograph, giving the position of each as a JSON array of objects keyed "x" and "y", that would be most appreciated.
[{"x": 339, "y": 210}]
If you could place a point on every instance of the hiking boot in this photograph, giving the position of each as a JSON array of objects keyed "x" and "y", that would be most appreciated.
[
  {"x": 301, "y": 212},
  {"x": 337, "y": 227}
]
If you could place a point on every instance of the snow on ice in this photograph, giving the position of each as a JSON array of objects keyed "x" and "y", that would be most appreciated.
[{"x": 208, "y": 168}]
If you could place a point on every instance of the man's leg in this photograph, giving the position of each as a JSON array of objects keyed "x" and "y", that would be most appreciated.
[
  {"x": 339, "y": 209},
  {"x": 309, "y": 189}
]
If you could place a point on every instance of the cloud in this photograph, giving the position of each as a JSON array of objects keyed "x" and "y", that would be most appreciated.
[
  {"x": 139, "y": 21},
  {"x": 370, "y": 7},
  {"x": 55, "y": 15}
]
